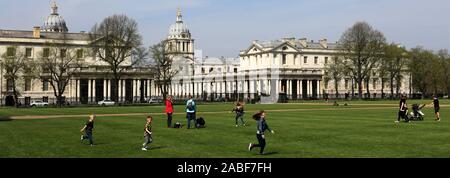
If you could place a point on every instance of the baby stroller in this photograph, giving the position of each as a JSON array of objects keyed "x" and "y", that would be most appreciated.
[{"x": 417, "y": 114}]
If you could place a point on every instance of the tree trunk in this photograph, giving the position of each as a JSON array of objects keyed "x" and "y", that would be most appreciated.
[
  {"x": 360, "y": 89},
  {"x": 336, "y": 87},
  {"x": 16, "y": 97},
  {"x": 392, "y": 87},
  {"x": 382, "y": 88},
  {"x": 368, "y": 88}
]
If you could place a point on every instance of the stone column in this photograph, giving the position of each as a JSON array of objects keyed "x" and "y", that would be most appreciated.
[
  {"x": 105, "y": 89},
  {"x": 94, "y": 91},
  {"x": 77, "y": 87},
  {"x": 89, "y": 90}
]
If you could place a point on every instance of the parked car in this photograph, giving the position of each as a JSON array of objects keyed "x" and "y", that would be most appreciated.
[
  {"x": 106, "y": 103},
  {"x": 39, "y": 104},
  {"x": 154, "y": 101}
]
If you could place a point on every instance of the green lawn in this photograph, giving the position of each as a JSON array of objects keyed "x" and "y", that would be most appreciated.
[{"x": 362, "y": 129}]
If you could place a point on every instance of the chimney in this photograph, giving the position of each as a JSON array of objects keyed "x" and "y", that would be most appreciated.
[
  {"x": 288, "y": 40},
  {"x": 324, "y": 43},
  {"x": 303, "y": 42},
  {"x": 37, "y": 32}
]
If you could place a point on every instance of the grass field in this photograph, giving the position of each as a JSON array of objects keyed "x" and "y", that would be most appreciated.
[{"x": 304, "y": 130}]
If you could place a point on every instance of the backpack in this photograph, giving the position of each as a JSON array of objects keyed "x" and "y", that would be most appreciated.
[
  {"x": 201, "y": 122},
  {"x": 190, "y": 106}
]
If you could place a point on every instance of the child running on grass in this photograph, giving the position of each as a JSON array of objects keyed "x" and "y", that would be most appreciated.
[
  {"x": 262, "y": 126},
  {"x": 239, "y": 110},
  {"x": 88, "y": 129},
  {"x": 147, "y": 133}
]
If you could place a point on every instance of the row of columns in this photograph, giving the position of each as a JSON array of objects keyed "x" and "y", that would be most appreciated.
[
  {"x": 140, "y": 88},
  {"x": 244, "y": 86}
]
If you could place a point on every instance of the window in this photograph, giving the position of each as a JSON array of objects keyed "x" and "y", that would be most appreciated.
[
  {"x": 374, "y": 83},
  {"x": 284, "y": 59},
  {"x": 235, "y": 70},
  {"x": 203, "y": 70},
  {"x": 27, "y": 84},
  {"x": 326, "y": 60},
  {"x": 79, "y": 53},
  {"x": 316, "y": 60},
  {"x": 45, "y": 85},
  {"x": 11, "y": 51},
  {"x": 45, "y": 99},
  {"x": 346, "y": 83},
  {"x": 305, "y": 59},
  {"x": 46, "y": 53},
  {"x": 63, "y": 53},
  {"x": 9, "y": 85},
  {"x": 28, "y": 52}
]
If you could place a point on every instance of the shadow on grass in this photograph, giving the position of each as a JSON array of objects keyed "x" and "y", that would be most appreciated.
[
  {"x": 5, "y": 118},
  {"x": 157, "y": 147},
  {"x": 270, "y": 153}
]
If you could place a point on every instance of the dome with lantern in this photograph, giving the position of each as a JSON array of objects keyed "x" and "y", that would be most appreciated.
[
  {"x": 179, "y": 29},
  {"x": 55, "y": 22}
]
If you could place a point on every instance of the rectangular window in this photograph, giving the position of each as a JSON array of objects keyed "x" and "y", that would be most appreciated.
[
  {"x": 29, "y": 52},
  {"x": 346, "y": 83},
  {"x": 9, "y": 85},
  {"x": 316, "y": 60},
  {"x": 27, "y": 84},
  {"x": 46, "y": 53},
  {"x": 45, "y": 99},
  {"x": 63, "y": 53},
  {"x": 45, "y": 85},
  {"x": 284, "y": 59},
  {"x": 11, "y": 51},
  {"x": 80, "y": 53},
  {"x": 235, "y": 70},
  {"x": 305, "y": 59},
  {"x": 326, "y": 60},
  {"x": 374, "y": 83}
]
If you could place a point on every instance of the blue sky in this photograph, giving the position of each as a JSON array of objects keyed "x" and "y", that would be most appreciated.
[{"x": 224, "y": 27}]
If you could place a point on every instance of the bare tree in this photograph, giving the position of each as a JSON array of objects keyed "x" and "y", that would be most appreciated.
[
  {"x": 362, "y": 46},
  {"x": 60, "y": 62},
  {"x": 334, "y": 71},
  {"x": 163, "y": 67},
  {"x": 117, "y": 42},
  {"x": 16, "y": 65}
]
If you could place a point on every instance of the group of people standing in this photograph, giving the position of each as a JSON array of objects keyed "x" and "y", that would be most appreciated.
[
  {"x": 191, "y": 110},
  {"x": 403, "y": 109}
]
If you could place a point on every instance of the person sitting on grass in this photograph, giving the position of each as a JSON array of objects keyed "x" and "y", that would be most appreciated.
[
  {"x": 239, "y": 110},
  {"x": 88, "y": 129},
  {"x": 147, "y": 133},
  {"x": 262, "y": 126}
]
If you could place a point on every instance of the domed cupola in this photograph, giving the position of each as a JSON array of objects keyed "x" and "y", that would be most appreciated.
[
  {"x": 179, "y": 29},
  {"x": 55, "y": 22}
]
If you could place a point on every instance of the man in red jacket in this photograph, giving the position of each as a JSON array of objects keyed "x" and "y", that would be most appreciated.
[{"x": 169, "y": 111}]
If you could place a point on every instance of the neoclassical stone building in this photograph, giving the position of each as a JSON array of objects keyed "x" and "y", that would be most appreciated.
[
  {"x": 266, "y": 71},
  {"x": 91, "y": 84},
  {"x": 299, "y": 68}
]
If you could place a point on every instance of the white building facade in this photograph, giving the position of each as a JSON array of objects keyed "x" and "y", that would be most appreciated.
[
  {"x": 91, "y": 84},
  {"x": 265, "y": 72}
]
